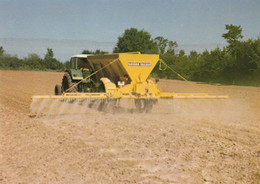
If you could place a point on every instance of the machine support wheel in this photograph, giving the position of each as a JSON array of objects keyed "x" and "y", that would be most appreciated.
[
  {"x": 67, "y": 83},
  {"x": 149, "y": 105},
  {"x": 102, "y": 105},
  {"x": 144, "y": 105},
  {"x": 140, "y": 105}
]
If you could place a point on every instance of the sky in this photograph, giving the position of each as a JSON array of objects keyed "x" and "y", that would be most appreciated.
[{"x": 189, "y": 22}]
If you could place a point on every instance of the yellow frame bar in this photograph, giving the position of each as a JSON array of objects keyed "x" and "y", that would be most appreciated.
[{"x": 130, "y": 96}]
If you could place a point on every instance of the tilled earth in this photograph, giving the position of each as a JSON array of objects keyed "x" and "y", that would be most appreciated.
[{"x": 180, "y": 141}]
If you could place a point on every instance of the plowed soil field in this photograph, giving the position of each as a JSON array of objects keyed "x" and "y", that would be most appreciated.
[{"x": 180, "y": 141}]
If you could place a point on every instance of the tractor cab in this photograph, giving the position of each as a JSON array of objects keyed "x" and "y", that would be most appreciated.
[
  {"x": 80, "y": 67},
  {"x": 80, "y": 62}
]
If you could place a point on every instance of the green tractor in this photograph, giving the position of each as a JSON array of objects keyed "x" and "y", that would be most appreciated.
[{"x": 80, "y": 69}]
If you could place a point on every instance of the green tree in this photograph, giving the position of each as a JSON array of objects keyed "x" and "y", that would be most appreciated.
[
  {"x": 50, "y": 62},
  {"x": 181, "y": 53},
  {"x": 161, "y": 44},
  {"x": 33, "y": 62},
  {"x": 233, "y": 34},
  {"x": 244, "y": 60},
  {"x": 171, "y": 47},
  {"x": 11, "y": 62},
  {"x": 67, "y": 65},
  {"x": 134, "y": 40},
  {"x": 256, "y": 52},
  {"x": 49, "y": 54},
  {"x": 193, "y": 55},
  {"x": 97, "y": 52},
  {"x": 2, "y": 51}
]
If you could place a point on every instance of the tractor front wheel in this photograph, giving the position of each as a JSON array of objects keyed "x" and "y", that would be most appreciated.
[{"x": 58, "y": 89}]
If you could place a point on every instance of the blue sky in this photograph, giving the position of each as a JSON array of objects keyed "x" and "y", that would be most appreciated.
[{"x": 184, "y": 21}]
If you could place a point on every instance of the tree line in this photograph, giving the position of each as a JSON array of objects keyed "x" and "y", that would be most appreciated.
[
  {"x": 32, "y": 62},
  {"x": 237, "y": 63},
  {"x": 35, "y": 62}
]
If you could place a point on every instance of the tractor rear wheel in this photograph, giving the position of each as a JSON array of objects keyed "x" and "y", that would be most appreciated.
[{"x": 67, "y": 83}]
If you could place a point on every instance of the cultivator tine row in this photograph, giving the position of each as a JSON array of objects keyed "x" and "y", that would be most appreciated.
[
  {"x": 80, "y": 102},
  {"x": 58, "y": 106}
]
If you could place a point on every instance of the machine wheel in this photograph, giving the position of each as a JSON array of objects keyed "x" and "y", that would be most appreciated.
[
  {"x": 140, "y": 105},
  {"x": 67, "y": 83},
  {"x": 103, "y": 105},
  {"x": 143, "y": 105},
  {"x": 107, "y": 105},
  {"x": 149, "y": 105},
  {"x": 58, "y": 89}
]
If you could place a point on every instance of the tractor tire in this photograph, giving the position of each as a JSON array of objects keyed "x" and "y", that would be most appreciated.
[
  {"x": 67, "y": 84},
  {"x": 58, "y": 89}
]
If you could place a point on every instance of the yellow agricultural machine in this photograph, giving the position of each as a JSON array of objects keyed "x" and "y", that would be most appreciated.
[{"x": 112, "y": 77}]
